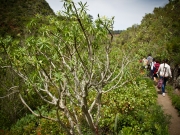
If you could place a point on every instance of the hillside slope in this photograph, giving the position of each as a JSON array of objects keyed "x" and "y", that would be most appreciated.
[{"x": 16, "y": 13}]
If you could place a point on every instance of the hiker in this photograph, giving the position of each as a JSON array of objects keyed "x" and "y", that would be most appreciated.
[
  {"x": 144, "y": 65},
  {"x": 152, "y": 68},
  {"x": 156, "y": 67},
  {"x": 150, "y": 59},
  {"x": 164, "y": 72},
  {"x": 145, "y": 62}
]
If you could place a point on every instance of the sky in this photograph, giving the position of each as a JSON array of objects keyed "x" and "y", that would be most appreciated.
[{"x": 126, "y": 12}]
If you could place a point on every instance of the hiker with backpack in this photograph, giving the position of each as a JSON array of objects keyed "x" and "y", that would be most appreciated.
[
  {"x": 150, "y": 59},
  {"x": 164, "y": 72},
  {"x": 152, "y": 64}
]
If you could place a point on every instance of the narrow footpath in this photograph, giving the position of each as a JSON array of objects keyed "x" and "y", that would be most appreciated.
[{"x": 165, "y": 102}]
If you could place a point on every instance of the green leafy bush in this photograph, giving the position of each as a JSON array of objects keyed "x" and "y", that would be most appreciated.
[
  {"x": 33, "y": 125},
  {"x": 134, "y": 110},
  {"x": 175, "y": 98}
]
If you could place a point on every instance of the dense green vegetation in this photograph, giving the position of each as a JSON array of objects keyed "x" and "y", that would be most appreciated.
[
  {"x": 174, "y": 95},
  {"x": 15, "y": 15},
  {"x": 65, "y": 74},
  {"x": 159, "y": 34}
]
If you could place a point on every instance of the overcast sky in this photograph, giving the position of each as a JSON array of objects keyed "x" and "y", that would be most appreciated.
[{"x": 126, "y": 12}]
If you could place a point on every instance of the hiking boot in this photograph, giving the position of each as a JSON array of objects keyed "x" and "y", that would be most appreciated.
[{"x": 163, "y": 94}]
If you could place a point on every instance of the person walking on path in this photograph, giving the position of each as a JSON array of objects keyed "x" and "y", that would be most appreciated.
[
  {"x": 152, "y": 68},
  {"x": 145, "y": 62},
  {"x": 150, "y": 59},
  {"x": 164, "y": 72}
]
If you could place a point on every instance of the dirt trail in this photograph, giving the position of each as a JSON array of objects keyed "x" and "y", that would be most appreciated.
[{"x": 165, "y": 102}]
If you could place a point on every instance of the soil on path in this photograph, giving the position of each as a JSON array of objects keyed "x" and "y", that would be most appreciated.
[{"x": 165, "y": 102}]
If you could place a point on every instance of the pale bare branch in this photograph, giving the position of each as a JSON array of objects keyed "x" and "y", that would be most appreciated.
[
  {"x": 5, "y": 66},
  {"x": 14, "y": 91},
  {"x": 28, "y": 106}
]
